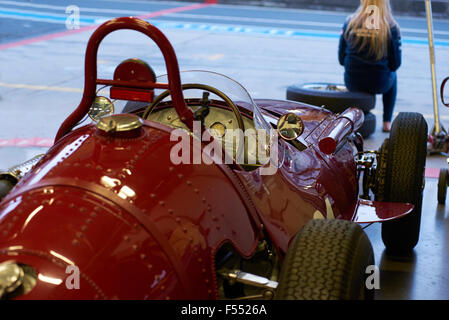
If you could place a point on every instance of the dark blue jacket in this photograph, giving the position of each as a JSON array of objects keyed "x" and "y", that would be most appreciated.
[{"x": 359, "y": 62}]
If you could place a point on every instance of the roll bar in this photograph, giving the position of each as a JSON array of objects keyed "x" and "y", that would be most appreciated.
[{"x": 91, "y": 81}]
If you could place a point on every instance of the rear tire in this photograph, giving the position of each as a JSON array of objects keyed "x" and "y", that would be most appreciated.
[
  {"x": 327, "y": 260},
  {"x": 404, "y": 180},
  {"x": 442, "y": 186},
  {"x": 336, "y": 101}
]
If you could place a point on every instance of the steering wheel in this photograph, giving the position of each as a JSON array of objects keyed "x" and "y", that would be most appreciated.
[{"x": 213, "y": 90}]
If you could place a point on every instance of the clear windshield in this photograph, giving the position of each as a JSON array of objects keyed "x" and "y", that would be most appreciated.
[
  {"x": 234, "y": 90},
  {"x": 260, "y": 146}
]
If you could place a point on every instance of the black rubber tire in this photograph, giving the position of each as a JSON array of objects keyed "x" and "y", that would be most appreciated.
[
  {"x": 369, "y": 125},
  {"x": 334, "y": 101},
  {"x": 442, "y": 185},
  {"x": 327, "y": 260},
  {"x": 404, "y": 180}
]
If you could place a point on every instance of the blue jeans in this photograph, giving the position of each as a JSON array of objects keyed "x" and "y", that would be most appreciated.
[{"x": 385, "y": 84}]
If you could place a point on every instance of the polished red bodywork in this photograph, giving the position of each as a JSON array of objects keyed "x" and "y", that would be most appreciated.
[{"x": 139, "y": 227}]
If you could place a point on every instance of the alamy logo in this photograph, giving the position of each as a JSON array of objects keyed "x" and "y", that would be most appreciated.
[
  {"x": 73, "y": 20},
  {"x": 372, "y": 281},
  {"x": 73, "y": 280},
  {"x": 372, "y": 22},
  {"x": 249, "y": 147}
]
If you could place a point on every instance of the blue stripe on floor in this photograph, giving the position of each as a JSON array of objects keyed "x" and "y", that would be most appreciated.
[{"x": 214, "y": 28}]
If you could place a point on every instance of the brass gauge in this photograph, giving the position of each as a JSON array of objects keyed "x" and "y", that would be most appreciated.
[
  {"x": 218, "y": 129},
  {"x": 290, "y": 126},
  {"x": 100, "y": 108}
]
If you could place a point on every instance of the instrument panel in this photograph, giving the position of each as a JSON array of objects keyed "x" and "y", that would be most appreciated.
[{"x": 222, "y": 125}]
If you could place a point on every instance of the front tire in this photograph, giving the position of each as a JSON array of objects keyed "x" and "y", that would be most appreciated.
[
  {"x": 327, "y": 260},
  {"x": 404, "y": 180}
]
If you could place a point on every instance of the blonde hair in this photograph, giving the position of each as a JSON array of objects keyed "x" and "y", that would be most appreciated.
[{"x": 370, "y": 27}]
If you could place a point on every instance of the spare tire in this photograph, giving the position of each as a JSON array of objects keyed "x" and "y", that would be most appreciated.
[{"x": 335, "y": 97}]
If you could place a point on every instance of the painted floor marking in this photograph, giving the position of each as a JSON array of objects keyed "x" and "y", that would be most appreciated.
[
  {"x": 432, "y": 173},
  {"x": 91, "y": 23},
  {"x": 93, "y": 26},
  {"x": 27, "y": 142},
  {"x": 63, "y": 8},
  {"x": 286, "y": 22},
  {"x": 38, "y": 87},
  {"x": 212, "y": 58}
]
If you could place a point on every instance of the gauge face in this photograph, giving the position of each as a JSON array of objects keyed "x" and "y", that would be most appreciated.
[
  {"x": 218, "y": 129},
  {"x": 290, "y": 126},
  {"x": 101, "y": 107}
]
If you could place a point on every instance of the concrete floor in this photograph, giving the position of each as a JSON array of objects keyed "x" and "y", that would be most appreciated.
[
  {"x": 264, "y": 63},
  {"x": 425, "y": 274}
]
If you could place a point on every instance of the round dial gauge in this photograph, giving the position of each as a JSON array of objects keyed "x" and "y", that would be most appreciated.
[{"x": 101, "y": 107}]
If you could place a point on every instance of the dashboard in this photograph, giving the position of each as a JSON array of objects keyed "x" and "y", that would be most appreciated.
[{"x": 222, "y": 124}]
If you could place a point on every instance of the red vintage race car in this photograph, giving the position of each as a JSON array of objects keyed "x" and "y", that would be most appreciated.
[{"x": 201, "y": 192}]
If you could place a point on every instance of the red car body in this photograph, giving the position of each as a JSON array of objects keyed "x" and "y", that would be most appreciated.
[{"x": 138, "y": 227}]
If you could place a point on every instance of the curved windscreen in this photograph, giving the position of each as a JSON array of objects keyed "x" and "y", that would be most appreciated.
[
  {"x": 234, "y": 90},
  {"x": 261, "y": 140}
]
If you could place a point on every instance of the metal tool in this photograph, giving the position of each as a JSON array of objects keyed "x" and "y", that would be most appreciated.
[{"x": 438, "y": 141}]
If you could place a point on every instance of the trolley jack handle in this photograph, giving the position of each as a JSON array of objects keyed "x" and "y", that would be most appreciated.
[
  {"x": 438, "y": 137},
  {"x": 437, "y": 125}
]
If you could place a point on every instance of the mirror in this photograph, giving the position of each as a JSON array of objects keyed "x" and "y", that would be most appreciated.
[
  {"x": 445, "y": 92},
  {"x": 100, "y": 108},
  {"x": 290, "y": 126}
]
